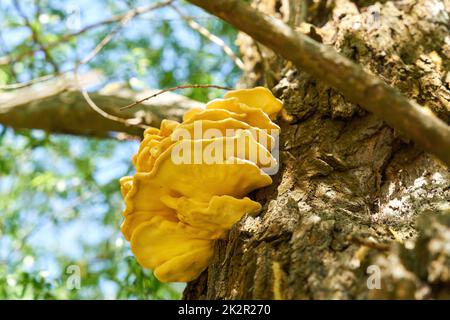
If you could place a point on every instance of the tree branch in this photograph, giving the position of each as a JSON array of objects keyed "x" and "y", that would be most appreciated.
[
  {"x": 211, "y": 37},
  {"x": 125, "y": 19},
  {"x": 35, "y": 36},
  {"x": 58, "y": 107},
  {"x": 327, "y": 65},
  {"x": 174, "y": 89},
  {"x": 9, "y": 59}
]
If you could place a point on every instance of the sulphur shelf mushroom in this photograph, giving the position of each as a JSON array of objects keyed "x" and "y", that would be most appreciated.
[{"x": 192, "y": 179}]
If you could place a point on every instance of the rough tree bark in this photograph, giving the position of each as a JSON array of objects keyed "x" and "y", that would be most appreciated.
[{"x": 353, "y": 199}]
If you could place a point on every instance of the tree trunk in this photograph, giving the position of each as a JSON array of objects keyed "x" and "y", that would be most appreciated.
[{"x": 356, "y": 210}]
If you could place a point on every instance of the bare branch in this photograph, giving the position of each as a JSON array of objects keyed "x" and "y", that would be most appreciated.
[
  {"x": 173, "y": 89},
  {"x": 104, "y": 114},
  {"x": 58, "y": 107},
  {"x": 90, "y": 56},
  {"x": 35, "y": 36},
  {"x": 124, "y": 19},
  {"x": 211, "y": 37},
  {"x": 18, "y": 85},
  {"x": 327, "y": 65},
  {"x": 114, "y": 19}
]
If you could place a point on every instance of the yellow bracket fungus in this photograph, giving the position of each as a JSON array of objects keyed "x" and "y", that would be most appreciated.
[{"x": 192, "y": 179}]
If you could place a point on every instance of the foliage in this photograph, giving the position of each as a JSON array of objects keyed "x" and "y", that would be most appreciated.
[{"x": 59, "y": 196}]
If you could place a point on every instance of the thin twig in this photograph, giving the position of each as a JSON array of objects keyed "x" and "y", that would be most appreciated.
[
  {"x": 35, "y": 36},
  {"x": 124, "y": 19},
  {"x": 129, "y": 122},
  {"x": 107, "y": 39},
  {"x": 114, "y": 19},
  {"x": 173, "y": 89},
  {"x": 100, "y": 111},
  {"x": 44, "y": 101},
  {"x": 18, "y": 85},
  {"x": 211, "y": 37},
  {"x": 5, "y": 49}
]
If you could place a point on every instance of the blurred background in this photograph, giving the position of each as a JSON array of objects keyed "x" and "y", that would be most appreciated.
[{"x": 60, "y": 205}]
